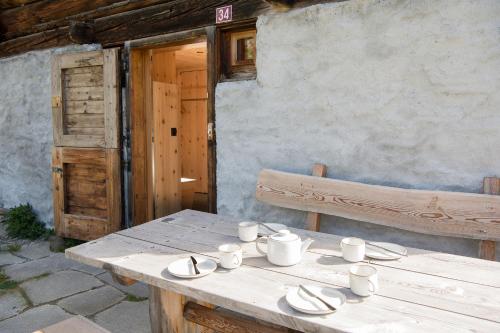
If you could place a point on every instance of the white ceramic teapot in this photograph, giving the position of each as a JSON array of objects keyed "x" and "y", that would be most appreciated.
[{"x": 283, "y": 248}]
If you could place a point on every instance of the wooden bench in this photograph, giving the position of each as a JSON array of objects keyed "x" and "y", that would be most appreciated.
[
  {"x": 76, "y": 324},
  {"x": 453, "y": 214}
]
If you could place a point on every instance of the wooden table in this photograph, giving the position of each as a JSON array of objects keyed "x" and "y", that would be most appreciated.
[{"x": 426, "y": 291}]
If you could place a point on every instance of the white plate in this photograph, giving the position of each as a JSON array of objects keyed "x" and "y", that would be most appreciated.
[
  {"x": 276, "y": 226},
  {"x": 381, "y": 254},
  {"x": 301, "y": 301},
  {"x": 184, "y": 268}
]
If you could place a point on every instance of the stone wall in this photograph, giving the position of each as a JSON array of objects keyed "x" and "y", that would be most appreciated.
[
  {"x": 396, "y": 92},
  {"x": 26, "y": 130}
]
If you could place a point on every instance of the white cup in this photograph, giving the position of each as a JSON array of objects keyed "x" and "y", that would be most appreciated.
[
  {"x": 353, "y": 249},
  {"x": 363, "y": 280},
  {"x": 247, "y": 231},
  {"x": 230, "y": 255}
]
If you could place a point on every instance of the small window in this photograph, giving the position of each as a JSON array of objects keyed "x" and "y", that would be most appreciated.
[{"x": 238, "y": 54}]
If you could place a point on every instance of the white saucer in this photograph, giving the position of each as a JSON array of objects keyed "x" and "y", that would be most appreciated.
[
  {"x": 381, "y": 254},
  {"x": 301, "y": 301},
  {"x": 184, "y": 268},
  {"x": 276, "y": 226}
]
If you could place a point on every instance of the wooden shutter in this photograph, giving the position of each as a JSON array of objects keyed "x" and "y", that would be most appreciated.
[{"x": 86, "y": 155}]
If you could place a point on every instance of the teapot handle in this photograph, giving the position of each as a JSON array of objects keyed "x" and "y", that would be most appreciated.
[{"x": 259, "y": 240}]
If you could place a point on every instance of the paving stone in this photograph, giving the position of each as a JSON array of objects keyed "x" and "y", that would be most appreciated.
[
  {"x": 6, "y": 258},
  {"x": 89, "y": 269},
  {"x": 138, "y": 289},
  {"x": 58, "y": 285},
  {"x": 91, "y": 301},
  {"x": 54, "y": 263},
  {"x": 34, "y": 319},
  {"x": 126, "y": 317},
  {"x": 35, "y": 250},
  {"x": 11, "y": 303}
]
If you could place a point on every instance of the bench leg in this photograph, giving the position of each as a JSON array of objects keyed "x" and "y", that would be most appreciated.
[{"x": 166, "y": 313}]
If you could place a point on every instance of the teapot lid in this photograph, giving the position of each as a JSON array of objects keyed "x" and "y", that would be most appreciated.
[{"x": 284, "y": 236}]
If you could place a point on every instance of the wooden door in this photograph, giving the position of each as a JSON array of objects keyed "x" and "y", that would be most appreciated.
[
  {"x": 166, "y": 163},
  {"x": 86, "y": 155}
]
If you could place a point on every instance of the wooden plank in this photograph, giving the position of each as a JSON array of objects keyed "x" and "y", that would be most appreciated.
[
  {"x": 83, "y": 80},
  {"x": 113, "y": 190},
  {"x": 487, "y": 249},
  {"x": 420, "y": 288},
  {"x": 84, "y": 227},
  {"x": 57, "y": 109},
  {"x": 86, "y": 156},
  {"x": 58, "y": 189},
  {"x": 81, "y": 59},
  {"x": 139, "y": 139},
  {"x": 313, "y": 219},
  {"x": 166, "y": 149},
  {"x": 226, "y": 322},
  {"x": 74, "y": 324},
  {"x": 84, "y": 93},
  {"x": 77, "y": 107},
  {"x": 111, "y": 98},
  {"x": 453, "y": 214},
  {"x": 86, "y": 131},
  {"x": 83, "y": 120},
  {"x": 84, "y": 212},
  {"x": 83, "y": 140},
  {"x": 89, "y": 173},
  {"x": 139, "y": 260}
]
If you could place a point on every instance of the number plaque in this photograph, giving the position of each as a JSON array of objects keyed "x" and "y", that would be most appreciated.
[{"x": 224, "y": 14}]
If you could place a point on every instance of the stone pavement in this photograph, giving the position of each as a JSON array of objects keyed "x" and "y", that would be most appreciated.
[{"x": 45, "y": 287}]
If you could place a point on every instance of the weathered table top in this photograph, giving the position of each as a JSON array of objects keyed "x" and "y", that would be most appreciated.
[{"x": 424, "y": 291}]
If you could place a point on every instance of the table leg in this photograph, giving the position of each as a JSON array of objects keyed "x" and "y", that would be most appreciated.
[{"x": 166, "y": 313}]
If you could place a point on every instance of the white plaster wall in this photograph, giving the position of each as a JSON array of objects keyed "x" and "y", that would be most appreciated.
[
  {"x": 397, "y": 92},
  {"x": 26, "y": 130}
]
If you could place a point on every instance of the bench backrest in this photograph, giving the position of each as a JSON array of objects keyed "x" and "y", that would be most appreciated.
[{"x": 455, "y": 214}]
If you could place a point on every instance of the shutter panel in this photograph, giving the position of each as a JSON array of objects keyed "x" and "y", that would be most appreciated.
[{"x": 86, "y": 155}]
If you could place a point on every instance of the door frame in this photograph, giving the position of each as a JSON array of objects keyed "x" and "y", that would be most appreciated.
[{"x": 207, "y": 34}]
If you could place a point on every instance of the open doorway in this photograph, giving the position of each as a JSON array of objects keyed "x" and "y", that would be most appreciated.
[{"x": 170, "y": 125}]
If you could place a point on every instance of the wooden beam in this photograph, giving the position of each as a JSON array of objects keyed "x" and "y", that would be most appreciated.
[
  {"x": 81, "y": 33},
  {"x": 454, "y": 214},
  {"x": 487, "y": 249},
  {"x": 224, "y": 321},
  {"x": 313, "y": 219},
  {"x": 46, "y": 15},
  {"x": 173, "y": 16}
]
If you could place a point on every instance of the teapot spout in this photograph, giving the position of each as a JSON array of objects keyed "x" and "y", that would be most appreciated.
[{"x": 305, "y": 245}]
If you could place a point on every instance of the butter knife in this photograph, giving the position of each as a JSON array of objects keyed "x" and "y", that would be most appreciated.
[
  {"x": 194, "y": 265},
  {"x": 312, "y": 294},
  {"x": 386, "y": 249}
]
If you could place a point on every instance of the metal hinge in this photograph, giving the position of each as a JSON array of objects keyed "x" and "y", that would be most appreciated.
[
  {"x": 57, "y": 170},
  {"x": 210, "y": 131},
  {"x": 56, "y": 101}
]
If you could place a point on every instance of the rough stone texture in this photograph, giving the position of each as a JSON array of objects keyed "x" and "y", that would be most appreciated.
[
  {"x": 91, "y": 301},
  {"x": 396, "y": 92},
  {"x": 35, "y": 250},
  {"x": 54, "y": 263},
  {"x": 26, "y": 130},
  {"x": 126, "y": 317},
  {"x": 6, "y": 258},
  {"x": 138, "y": 289},
  {"x": 12, "y": 303},
  {"x": 34, "y": 319},
  {"x": 58, "y": 285}
]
